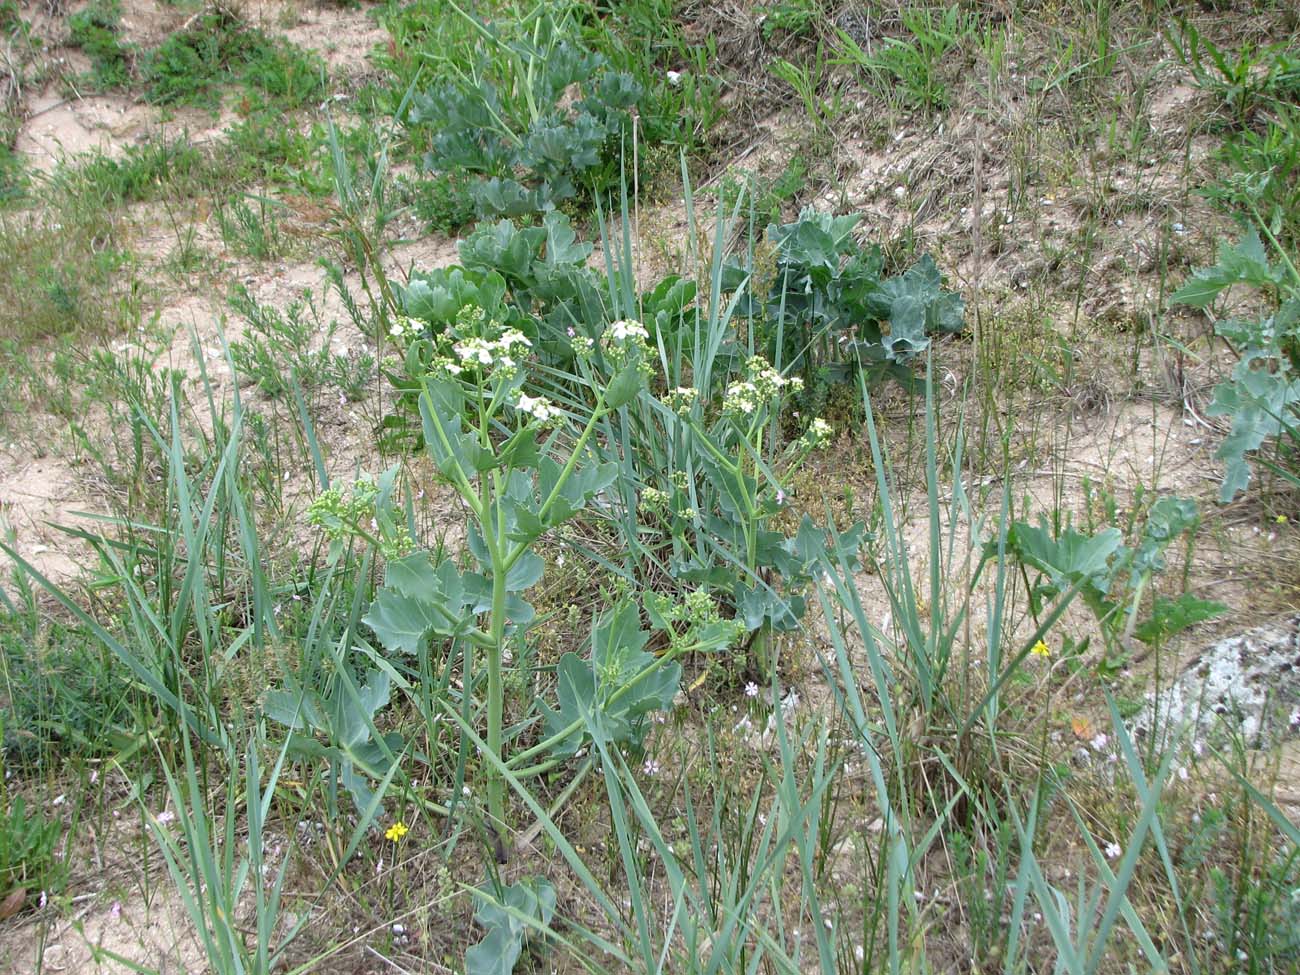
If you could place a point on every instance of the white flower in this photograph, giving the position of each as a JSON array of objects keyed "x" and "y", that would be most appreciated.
[
  {"x": 624, "y": 329},
  {"x": 513, "y": 342},
  {"x": 751, "y": 689},
  {"x": 681, "y": 399},
  {"x": 820, "y": 434},
  {"x": 474, "y": 351},
  {"x": 674, "y": 78},
  {"x": 539, "y": 407},
  {"x": 651, "y": 767},
  {"x": 742, "y": 397},
  {"x": 1113, "y": 850}
]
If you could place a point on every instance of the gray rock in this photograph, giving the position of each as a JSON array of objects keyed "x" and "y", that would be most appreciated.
[{"x": 1245, "y": 687}]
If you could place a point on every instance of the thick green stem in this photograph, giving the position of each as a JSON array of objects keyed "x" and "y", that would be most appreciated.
[
  {"x": 496, "y": 695},
  {"x": 598, "y": 412}
]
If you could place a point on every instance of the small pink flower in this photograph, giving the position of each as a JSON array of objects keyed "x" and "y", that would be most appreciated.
[{"x": 165, "y": 817}]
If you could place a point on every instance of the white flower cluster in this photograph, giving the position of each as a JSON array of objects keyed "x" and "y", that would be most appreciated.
[
  {"x": 652, "y": 500},
  {"x": 681, "y": 399},
  {"x": 538, "y": 407},
  {"x": 624, "y": 329},
  {"x": 502, "y": 353},
  {"x": 404, "y": 330},
  {"x": 626, "y": 341},
  {"x": 819, "y": 434},
  {"x": 761, "y": 384}
]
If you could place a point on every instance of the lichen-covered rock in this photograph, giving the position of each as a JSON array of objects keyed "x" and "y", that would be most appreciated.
[{"x": 1244, "y": 687}]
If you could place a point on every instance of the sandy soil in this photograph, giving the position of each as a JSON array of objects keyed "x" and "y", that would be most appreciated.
[{"x": 955, "y": 190}]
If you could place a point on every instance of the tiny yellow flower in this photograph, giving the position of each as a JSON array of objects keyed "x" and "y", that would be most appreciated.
[
  {"x": 1281, "y": 519},
  {"x": 1041, "y": 649},
  {"x": 396, "y": 831}
]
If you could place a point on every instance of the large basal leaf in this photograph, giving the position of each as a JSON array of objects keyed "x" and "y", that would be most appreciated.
[
  {"x": 616, "y": 93},
  {"x": 1069, "y": 559},
  {"x": 816, "y": 241},
  {"x": 916, "y": 305},
  {"x": 1256, "y": 400},
  {"x": 554, "y": 144},
  {"x": 496, "y": 954},
  {"x": 505, "y": 197},
  {"x": 602, "y": 692},
  {"x": 506, "y": 923},
  {"x": 419, "y": 600},
  {"x": 1169, "y": 617},
  {"x": 563, "y": 65},
  {"x": 502, "y": 247},
  {"x": 437, "y": 296},
  {"x": 562, "y": 246}
]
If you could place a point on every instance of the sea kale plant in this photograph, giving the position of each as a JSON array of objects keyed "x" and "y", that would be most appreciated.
[
  {"x": 708, "y": 516},
  {"x": 1109, "y": 576},
  {"x": 535, "y": 121},
  {"x": 523, "y": 466},
  {"x": 1262, "y": 393},
  {"x": 828, "y": 306}
]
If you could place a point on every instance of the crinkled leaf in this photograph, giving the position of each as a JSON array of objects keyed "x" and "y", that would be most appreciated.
[
  {"x": 816, "y": 241},
  {"x": 1169, "y": 617},
  {"x": 916, "y": 305},
  {"x": 1245, "y": 262},
  {"x": 562, "y": 248},
  {"x": 601, "y": 692},
  {"x": 1256, "y": 400},
  {"x": 502, "y": 247},
  {"x": 507, "y": 924},
  {"x": 505, "y": 197},
  {"x": 554, "y": 144},
  {"x": 1070, "y": 559}
]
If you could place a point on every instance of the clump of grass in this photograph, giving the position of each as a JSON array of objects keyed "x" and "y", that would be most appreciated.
[
  {"x": 63, "y": 272},
  {"x": 147, "y": 171},
  {"x": 97, "y": 30},
  {"x": 190, "y": 67},
  {"x": 61, "y": 696}
]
